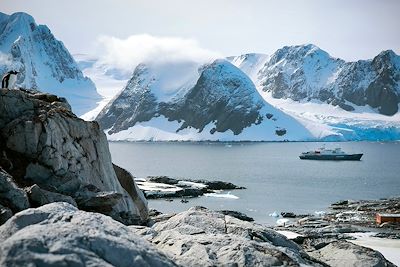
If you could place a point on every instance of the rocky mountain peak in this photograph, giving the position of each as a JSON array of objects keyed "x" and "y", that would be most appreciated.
[
  {"x": 387, "y": 59},
  {"x": 299, "y": 53},
  {"x": 54, "y": 71}
]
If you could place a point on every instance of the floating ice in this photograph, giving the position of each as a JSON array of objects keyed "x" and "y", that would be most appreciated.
[
  {"x": 226, "y": 195},
  {"x": 274, "y": 214}
]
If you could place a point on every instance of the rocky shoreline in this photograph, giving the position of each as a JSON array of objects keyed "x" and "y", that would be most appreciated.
[
  {"x": 349, "y": 216},
  {"x": 63, "y": 203},
  {"x": 321, "y": 234}
]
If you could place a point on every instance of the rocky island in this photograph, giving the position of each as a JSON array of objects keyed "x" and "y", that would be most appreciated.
[{"x": 63, "y": 203}]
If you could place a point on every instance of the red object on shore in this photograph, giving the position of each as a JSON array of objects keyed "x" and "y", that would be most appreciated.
[{"x": 381, "y": 218}]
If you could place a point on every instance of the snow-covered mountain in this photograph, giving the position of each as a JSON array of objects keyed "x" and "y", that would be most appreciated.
[
  {"x": 307, "y": 72},
  {"x": 191, "y": 101},
  {"x": 334, "y": 99},
  {"x": 43, "y": 62}
]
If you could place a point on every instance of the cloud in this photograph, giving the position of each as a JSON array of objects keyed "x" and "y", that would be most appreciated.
[
  {"x": 7, "y": 63},
  {"x": 126, "y": 54}
]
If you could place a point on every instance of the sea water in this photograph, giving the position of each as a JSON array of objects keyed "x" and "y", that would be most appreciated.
[{"x": 274, "y": 176}]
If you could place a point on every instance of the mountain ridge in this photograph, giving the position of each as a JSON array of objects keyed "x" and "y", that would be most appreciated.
[
  {"x": 218, "y": 102},
  {"x": 308, "y": 72}
]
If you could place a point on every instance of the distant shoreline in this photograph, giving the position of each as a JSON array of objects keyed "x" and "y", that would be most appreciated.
[{"x": 238, "y": 142}]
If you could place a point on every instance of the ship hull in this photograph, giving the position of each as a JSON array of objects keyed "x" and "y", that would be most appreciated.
[{"x": 332, "y": 157}]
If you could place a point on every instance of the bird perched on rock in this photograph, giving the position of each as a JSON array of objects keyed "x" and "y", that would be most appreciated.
[{"x": 9, "y": 79}]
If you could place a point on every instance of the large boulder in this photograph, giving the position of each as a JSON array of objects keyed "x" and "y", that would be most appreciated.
[
  {"x": 49, "y": 146},
  {"x": 128, "y": 183},
  {"x": 200, "y": 237},
  {"x": 59, "y": 234}
]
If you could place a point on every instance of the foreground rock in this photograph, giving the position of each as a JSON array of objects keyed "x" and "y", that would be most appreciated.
[
  {"x": 44, "y": 144},
  {"x": 199, "y": 237},
  {"x": 58, "y": 234}
]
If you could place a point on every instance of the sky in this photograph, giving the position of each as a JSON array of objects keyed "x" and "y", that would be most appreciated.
[{"x": 348, "y": 29}]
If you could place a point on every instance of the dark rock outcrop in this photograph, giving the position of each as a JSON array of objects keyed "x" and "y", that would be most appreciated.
[
  {"x": 218, "y": 185},
  {"x": 11, "y": 195},
  {"x": 237, "y": 215},
  {"x": 211, "y": 185},
  {"x": 163, "y": 179},
  {"x": 166, "y": 187},
  {"x": 5, "y": 214},
  {"x": 39, "y": 197}
]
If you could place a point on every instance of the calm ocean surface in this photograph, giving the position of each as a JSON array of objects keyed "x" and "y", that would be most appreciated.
[{"x": 275, "y": 178}]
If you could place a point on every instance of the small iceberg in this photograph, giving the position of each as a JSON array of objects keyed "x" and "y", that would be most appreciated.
[
  {"x": 274, "y": 214},
  {"x": 226, "y": 195},
  {"x": 320, "y": 213}
]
